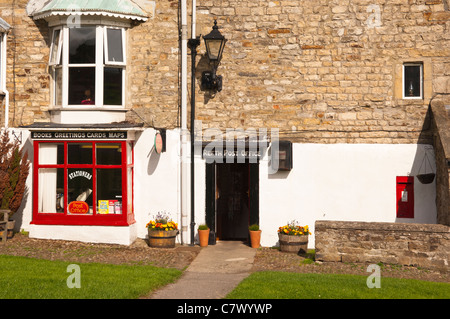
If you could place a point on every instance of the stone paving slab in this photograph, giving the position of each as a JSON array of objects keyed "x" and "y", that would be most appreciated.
[{"x": 215, "y": 272}]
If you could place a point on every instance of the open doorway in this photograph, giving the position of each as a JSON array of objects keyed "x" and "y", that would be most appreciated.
[{"x": 232, "y": 199}]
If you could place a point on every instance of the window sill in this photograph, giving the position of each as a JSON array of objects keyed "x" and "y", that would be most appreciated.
[
  {"x": 87, "y": 108},
  {"x": 87, "y": 115}
]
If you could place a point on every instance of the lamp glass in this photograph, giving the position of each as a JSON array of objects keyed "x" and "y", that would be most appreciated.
[{"x": 214, "y": 48}]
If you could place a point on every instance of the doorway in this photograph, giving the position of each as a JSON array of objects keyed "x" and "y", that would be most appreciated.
[{"x": 232, "y": 199}]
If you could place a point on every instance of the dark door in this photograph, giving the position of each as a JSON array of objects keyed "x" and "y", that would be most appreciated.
[{"x": 232, "y": 199}]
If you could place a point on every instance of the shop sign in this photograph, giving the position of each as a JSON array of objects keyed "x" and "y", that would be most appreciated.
[
  {"x": 218, "y": 154},
  {"x": 78, "y": 207},
  {"x": 80, "y": 174},
  {"x": 81, "y": 135}
]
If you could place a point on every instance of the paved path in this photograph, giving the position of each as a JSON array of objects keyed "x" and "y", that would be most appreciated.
[{"x": 215, "y": 272}]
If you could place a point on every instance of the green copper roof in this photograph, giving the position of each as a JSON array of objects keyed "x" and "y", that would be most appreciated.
[{"x": 121, "y": 7}]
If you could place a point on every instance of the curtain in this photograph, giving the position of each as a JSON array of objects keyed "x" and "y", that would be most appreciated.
[{"x": 47, "y": 178}]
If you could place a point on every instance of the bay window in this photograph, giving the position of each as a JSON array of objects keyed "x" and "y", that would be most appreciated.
[
  {"x": 87, "y": 65},
  {"x": 83, "y": 183}
]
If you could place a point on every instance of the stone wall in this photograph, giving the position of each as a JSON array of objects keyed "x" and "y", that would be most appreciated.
[
  {"x": 28, "y": 80},
  {"x": 325, "y": 71},
  {"x": 420, "y": 245},
  {"x": 441, "y": 141}
]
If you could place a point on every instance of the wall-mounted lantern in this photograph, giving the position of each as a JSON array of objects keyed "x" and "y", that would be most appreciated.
[{"x": 215, "y": 43}]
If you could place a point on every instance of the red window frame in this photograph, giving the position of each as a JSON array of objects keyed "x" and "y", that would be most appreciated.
[{"x": 124, "y": 219}]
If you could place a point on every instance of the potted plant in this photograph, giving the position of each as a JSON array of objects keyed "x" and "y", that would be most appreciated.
[
  {"x": 14, "y": 169},
  {"x": 162, "y": 231},
  {"x": 255, "y": 235},
  {"x": 293, "y": 238},
  {"x": 203, "y": 235}
]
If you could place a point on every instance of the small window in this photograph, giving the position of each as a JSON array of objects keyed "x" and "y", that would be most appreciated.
[
  {"x": 114, "y": 51},
  {"x": 55, "y": 50},
  {"x": 413, "y": 81},
  {"x": 82, "y": 45}
]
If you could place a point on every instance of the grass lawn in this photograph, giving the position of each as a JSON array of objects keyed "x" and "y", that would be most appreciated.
[
  {"x": 281, "y": 285},
  {"x": 26, "y": 278}
]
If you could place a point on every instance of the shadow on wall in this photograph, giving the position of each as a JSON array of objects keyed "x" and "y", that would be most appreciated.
[
  {"x": 18, "y": 216},
  {"x": 153, "y": 161},
  {"x": 423, "y": 170}
]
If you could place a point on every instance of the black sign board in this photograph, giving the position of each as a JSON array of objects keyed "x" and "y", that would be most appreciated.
[{"x": 79, "y": 135}]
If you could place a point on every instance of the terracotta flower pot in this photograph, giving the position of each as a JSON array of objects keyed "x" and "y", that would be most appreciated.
[
  {"x": 203, "y": 237},
  {"x": 255, "y": 238}
]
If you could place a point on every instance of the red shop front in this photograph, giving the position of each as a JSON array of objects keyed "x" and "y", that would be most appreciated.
[{"x": 82, "y": 177}]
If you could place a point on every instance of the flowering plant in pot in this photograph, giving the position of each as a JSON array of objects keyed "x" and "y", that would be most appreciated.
[
  {"x": 255, "y": 235},
  {"x": 293, "y": 238},
  {"x": 203, "y": 235},
  {"x": 14, "y": 169},
  {"x": 162, "y": 231}
]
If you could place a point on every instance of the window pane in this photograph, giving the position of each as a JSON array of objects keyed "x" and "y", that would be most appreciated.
[
  {"x": 82, "y": 86},
  {"x": 51, "y": 154},
  {"x": 51, "y": 190},
  {"x": 412, "y": 81},
  {"x": 82, "y": 45},
  {"x": 109, "y": 191},
  {"x": 115, "y": 51},
  {"x": 112, "y": 91},
  {"x": 58, "y": 86},
  {"x": 79, "y": 153},
  {"x": 55, "y": 58},
  {"x": 129, "y": 153},
  {"x": 79, "y": 189},
  {"x": 109, "y": 154},
  {"x": 130, "y": 190}
]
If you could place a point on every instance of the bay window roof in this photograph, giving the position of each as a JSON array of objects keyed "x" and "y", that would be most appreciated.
[{"x": 123, "y": 9}]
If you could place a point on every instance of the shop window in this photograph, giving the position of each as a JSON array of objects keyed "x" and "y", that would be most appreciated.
[
  {"x": 83, "y": 183},
  {"x": 88, "y": 66},
  {"x": 413, "y": 81}
]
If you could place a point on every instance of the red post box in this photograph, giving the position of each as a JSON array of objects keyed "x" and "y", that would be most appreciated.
[{"x": 405, "y": 197}]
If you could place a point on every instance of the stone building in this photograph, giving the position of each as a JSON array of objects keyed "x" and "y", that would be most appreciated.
[{"x": 356, "y": 90}]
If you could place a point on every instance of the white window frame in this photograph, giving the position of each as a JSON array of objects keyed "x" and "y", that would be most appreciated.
[
  {"x": 107, "y": 61},
  {"x": 52, "y": 49},
  {"x": 101, "y": 57},
  {"x": 420, "y": 64},
  {"x": 2, "y": 60}
]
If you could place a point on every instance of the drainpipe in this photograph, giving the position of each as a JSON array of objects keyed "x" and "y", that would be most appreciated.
[
  {"x": 184, "y": 131},
  {"x": 193, "y": 43}
]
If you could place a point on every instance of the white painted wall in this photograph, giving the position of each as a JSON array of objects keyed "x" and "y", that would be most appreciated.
[
  {"x": 156, "y": 179},
  {"x": 346, "y": 182}
]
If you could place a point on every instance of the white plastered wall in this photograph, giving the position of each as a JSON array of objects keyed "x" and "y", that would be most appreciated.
[{"x": 345, "y": 182}]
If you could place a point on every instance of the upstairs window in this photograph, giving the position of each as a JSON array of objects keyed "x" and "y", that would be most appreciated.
[
  {"x": 413, "y": 81},
  {"x": 88, "y": 66}
]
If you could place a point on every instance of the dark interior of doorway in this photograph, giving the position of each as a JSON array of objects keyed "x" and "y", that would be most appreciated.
[
  {"x": 232, "y": 193},
  {"x": 232, "y": 199}
]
